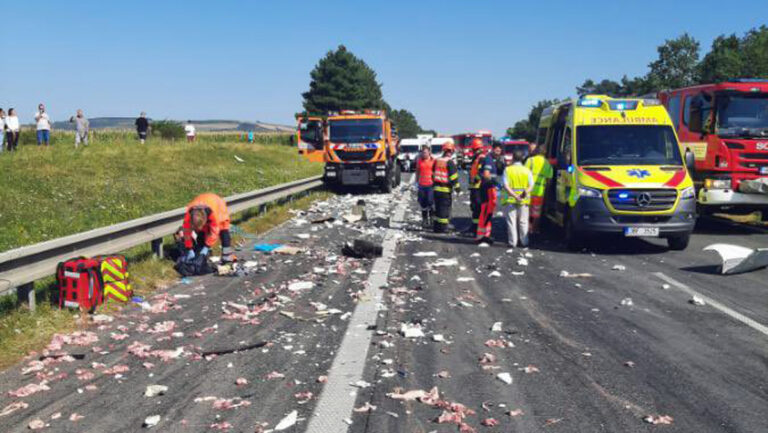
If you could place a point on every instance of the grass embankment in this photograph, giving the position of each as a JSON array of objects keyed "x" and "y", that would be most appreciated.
[{"x": 114, "y": 180}]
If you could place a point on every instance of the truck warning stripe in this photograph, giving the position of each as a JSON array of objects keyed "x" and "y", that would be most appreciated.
[
  {"x": 678, "y": 177},
  {"x": 602, "y": 179}
]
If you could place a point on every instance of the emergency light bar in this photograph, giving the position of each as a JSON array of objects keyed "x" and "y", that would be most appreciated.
[
  {"x": 622, "y": 105},
  {"x": 590, "y": 102}
]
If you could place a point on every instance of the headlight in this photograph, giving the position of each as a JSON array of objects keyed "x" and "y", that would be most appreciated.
[
  {"x": 717, "y": 183},
  {"x": 689, "y": 192},
  {"x": 589, "y": 192},
  {"x": 401, "y": 157}
]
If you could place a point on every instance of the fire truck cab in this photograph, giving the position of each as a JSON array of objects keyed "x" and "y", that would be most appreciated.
[{"x": 723, "y": 127}]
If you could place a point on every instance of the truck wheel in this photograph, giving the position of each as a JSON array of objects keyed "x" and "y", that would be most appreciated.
[
  {"x": 679, "y": 242},
  {"x": 573, "y": 239},
  {"x": 386, "y": 183},
  {"x": 398, "y": 175}
]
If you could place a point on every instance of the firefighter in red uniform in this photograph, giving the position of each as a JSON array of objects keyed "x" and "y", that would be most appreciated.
[
  {"x": 208, "y": 217},
  {"x": 475, "y": 181},
  {"x": 446, "y": 180},
  {"x": 424, "y": 172}
]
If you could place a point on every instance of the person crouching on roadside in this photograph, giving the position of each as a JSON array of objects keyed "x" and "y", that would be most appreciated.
[{"x": 208, "y": 217}]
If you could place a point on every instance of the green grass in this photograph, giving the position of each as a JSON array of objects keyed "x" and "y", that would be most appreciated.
[{"x": 52, "y": 192}]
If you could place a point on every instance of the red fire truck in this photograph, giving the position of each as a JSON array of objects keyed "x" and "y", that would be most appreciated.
[
  {"x": 723, "y": 128},
  {"x": 462, "y": 141}
]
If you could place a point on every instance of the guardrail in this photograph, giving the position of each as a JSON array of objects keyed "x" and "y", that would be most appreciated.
[{"x": 21, "y": 267}]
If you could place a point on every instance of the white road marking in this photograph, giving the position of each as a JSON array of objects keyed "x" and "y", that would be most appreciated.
[
  {"x": 338, "y": 398},
  {"x": 729, "y": 312}
]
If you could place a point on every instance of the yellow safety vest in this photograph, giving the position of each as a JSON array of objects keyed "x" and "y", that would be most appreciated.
[
  {"x": 517, "y": 180},
  {"x": 542, "y": 171}
]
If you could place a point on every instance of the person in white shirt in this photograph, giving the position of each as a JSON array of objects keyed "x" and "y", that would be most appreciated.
[
  {"x": 43, "y": 126},
  {"x": 189, "y": 128},
  {"x": 2, "y": 130},
  {"x": 12, "y": 127},
  {"x": 82, "y": 128}
]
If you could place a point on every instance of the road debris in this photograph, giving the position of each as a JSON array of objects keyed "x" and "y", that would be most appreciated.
[
  {"x": 151, "y": 421},
  {"x": 367, "y": 407},
  {"x": 697, "y": 301},
  {"x": 619, "y": 268},
  {"x": 13, "y": 407},
  {"x": 496, "y": 327},
  {"x": 287, "y": 422},
  {"x": 362, "y": 249},
  {"x": 659, "y": 419},
  {"x": 155, "y": 390},
  {"x": 36, "y": 424},
  {"x": 566, "y": 274},
  {"x": 736, "y": 259},
  {"x": 515, "y": 412},
  {"x": 627, "y": 302},
  {"x": 505, "y": 377},
  {"x": 425, "y": 254},
  {"x": 300, "y": 285},
  {"x": 411, "y": 330}
]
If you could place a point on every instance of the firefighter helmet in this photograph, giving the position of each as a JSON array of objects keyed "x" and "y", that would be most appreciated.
[
  {"x": 448, "y": 147},
  {"x": 476, "y": 144}
]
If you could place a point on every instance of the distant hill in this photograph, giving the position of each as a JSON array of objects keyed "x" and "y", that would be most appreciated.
[{"x": 127, "y": 123}]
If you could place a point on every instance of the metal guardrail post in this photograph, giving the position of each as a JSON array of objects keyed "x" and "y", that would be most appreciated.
[
  {"x": 157, "y": 248},
  {"x": 26, "y": 292}
]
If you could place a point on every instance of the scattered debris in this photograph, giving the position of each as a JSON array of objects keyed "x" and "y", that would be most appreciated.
[
  {"x": 489, "y": 422},
  {"x": 530, "y": 369},
  {"x": 630, "y": 364},
  {"x": 438, "y": 338},
  {"x": 155, "y": 390},
  {"x": 566, "y": 274},
  {"x": 362, "y": 249},
  {"x": 425, "y": 254},
  {"x": 666, "y": 286},
  {"x": 496, "y": 327},
  {"x": 411, "y": 330},
  {"x": 442, "y": 263},
  {"x": 505, "y": 377},
  {"x": 697, "y": 301},
  {"x": 495, "y": 274},
  {"x": 151, "y": 421},
  {"x": 300, "y": 285},
  {"x": 367, "y": 407},
  {"x": 287, "y": 422},
  {"x": 29, "y": 389},
  {"x": 241, "y": 381},
  {"x": 737, "y": 259},
  {"x": 515, "y": 412},
  {"x": 619, "y": 268},
  {"x": 659, "y": 419},
  {"x": 13, "y": 407},
  {"x": 627, "y": 302}
]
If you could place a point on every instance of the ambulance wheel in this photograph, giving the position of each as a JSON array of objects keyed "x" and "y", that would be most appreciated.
[
  {"x": 573, "y": 239},
  {"x": 679, "y": 242}
]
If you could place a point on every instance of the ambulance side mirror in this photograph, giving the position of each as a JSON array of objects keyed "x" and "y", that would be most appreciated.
[{"x": 690, "y": 161}]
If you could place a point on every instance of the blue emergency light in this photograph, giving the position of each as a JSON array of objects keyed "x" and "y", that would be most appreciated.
[
  {"x": 622, "y": 105},
  {"x": 590, "y": 102}
]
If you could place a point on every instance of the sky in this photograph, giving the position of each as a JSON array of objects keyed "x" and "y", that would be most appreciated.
[{"x": 459, "y": 66}]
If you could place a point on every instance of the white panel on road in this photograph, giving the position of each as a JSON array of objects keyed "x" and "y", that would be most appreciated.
[
  {"x": 338, "y": 398},
  {"x": 731, "y": 313}
]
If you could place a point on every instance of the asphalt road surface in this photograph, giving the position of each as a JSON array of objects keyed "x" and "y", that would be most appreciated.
[{"x": 597, "y": 353}]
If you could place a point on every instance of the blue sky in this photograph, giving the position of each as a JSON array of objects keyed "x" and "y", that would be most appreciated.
[{"x": 457, "y": 65}]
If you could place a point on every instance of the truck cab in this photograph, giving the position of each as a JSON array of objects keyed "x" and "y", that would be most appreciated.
[
  {"x": 619, "y": 170},
  {"x": 510, "y": 145},
  {"x": 724, "y": 129},
  {"x": 361, "y": 150},
  {"x": 310, "y": 136}
]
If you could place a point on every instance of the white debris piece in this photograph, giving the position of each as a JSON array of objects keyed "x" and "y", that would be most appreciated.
[
  {"x": 627, "y": 302},
  {"x": 737, "y": 259},
  {"x": 518, "y": 273},
  {"x": 495, "y": 274},
  {"x": 155, "y": 390},
  {"x": 302, "y": 235},
  {"x": 425, "y": 254},
  {"x": 464, "y": 279},
  {"x": 619, "y": 268},
  {"x": 438, "y": 338},
  {"x": 300, "y": 285},
  {"x": 440, "y": 263},
  {"x": 666, "y": 286},
  {"x": 474, "y": 255},
  {"x": 287, "y": 422},
  {"x": 411, "y": 330},
  {"x": 697, "y": 301},
  {"x": 505, "y": 377},
  {"x": 496, "y": 327},
  {"x": 151, "y": 421},
  {"x": 522, "y": 261}
]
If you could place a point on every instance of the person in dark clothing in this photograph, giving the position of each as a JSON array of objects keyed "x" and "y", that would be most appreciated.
[
  {"x": 492, "y": 168},
  {"x": 446, "y": 181},
  {"x": 475, "y": 182},
  {"x": 142, "y": 127}
]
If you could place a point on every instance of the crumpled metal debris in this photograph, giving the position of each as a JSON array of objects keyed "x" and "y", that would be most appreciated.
[
  {"x": 287, "y": 422},
  {"x": 737, "y": 259}
]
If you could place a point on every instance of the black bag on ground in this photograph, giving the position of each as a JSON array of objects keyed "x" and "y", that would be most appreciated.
[
  {"x": 362, "y": 249},
  {"x": 198, "y": 266}
]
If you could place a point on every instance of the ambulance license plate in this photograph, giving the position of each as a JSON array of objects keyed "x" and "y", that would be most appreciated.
[{"x": 641, "y": 232}]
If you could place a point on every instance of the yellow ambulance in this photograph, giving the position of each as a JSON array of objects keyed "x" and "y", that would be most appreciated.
[{"x": 618, "y": 170}]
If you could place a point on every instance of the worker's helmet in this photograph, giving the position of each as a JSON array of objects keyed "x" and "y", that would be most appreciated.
[
  {"x": 476, "y": 144},
  {"x": 448, "y": 147}
]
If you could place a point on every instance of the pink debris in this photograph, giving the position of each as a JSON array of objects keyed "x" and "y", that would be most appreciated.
[
  {"x": 531, "y": 369},
  {"x": 659, "y": 419},
  {"x": 118, "y": 337},
  {"x": 515, "y": 412},
  {"x": 84, "y": 374},
  {"x": 140, "y": 350},
  {"x": 466, "y": 428},
  {"x": 230, "y": 403},
  {"x": 275, "y": 375},
  {"x": 79, "y": 338},
  {"x": 56, "y": 415},
  {"x": 36, "y": 424},
  {"x": 118, "y": 369},
  {"x": 162, "y": 327},
  {"x": 91, "y": 387},
  {"x": 167, "y": 355},
  {"x": 75, "y": 417},
  {"x": 13, "y": 407},
  {"x": 303, "y": 397},
  {"x": 431, "y": 398},
  {"x": 322, "y": 379},
  {"x": 29, "y": 389},
  {"x": 488, "y": 358},
  {"x": 241, "y": 381},
  {"x": 33, "y": 366},
  {"x": 448, "y": 417},
  {"x": 489, "y": 422},
  {"x": 444, "y": 374},
  {"x": 496, "y": 343},
  {"x": 148, "y": 365},
  {"x": 98, "y": 365},
  {"x": 221, "y": 426}
]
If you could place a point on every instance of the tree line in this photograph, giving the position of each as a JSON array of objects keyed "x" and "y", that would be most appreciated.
[
  {"x": 342, "y": 81},
  {"x": 678, "y": 64}
]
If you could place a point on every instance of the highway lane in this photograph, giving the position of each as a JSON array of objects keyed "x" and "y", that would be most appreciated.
[{"x": 580, "y": 362}]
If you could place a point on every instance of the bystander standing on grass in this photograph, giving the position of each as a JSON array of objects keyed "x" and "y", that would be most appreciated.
[
  {"x": 13, "y": 127},
  {"x": 43, "y": 126},
  {"x": 2, "y": 130},
  {"x": 142, "y": 127},
  {"x": 190, "y": 131},
  {"x": 82, "y": 128}
]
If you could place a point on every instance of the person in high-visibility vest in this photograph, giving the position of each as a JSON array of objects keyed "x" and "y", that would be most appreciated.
[
  {"x": 518, "y": 184},
  {"x": 446, "y": 181},
  {"x": 475, "y": 201},
  {"x": 424, "y": 171},
  {"x": 492, "y": 167},
  {"x": 542, "y": 173},
  {"x": 208, "y": 217}
]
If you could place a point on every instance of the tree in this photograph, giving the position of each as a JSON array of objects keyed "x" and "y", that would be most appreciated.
[
  {"x": 755, "y": 53},
  {"x": 341, "y": 81},
  {"x": 406, "y": 123},
  {"x": 604, "y": 87},
  {"x": 723, "y": 61},
  {"x": 677, "y": 65},
  {"x": 526, "y": 129}
]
